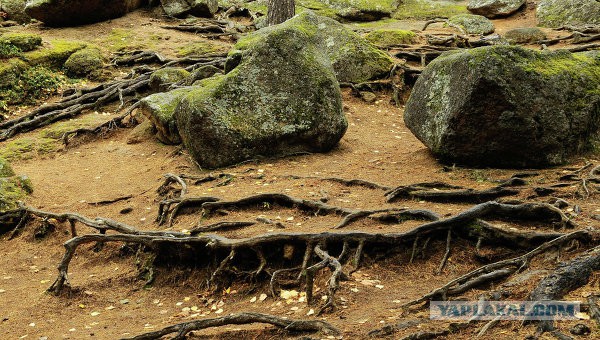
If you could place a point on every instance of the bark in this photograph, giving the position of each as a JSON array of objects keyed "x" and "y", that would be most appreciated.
[{"x": 279, "y": 11}]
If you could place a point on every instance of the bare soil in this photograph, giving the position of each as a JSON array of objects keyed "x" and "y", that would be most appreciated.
[{"x": 108, "y": 301}]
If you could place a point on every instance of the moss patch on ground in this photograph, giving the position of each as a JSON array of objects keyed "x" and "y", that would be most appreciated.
[
  {"x": 390, "y": 37},
  {"x": 55, "y": 54}
]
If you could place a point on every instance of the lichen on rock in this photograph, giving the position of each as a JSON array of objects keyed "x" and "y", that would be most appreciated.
[
  {"x": 507, "y": 106},
  {"x": 84, "y": 62}
]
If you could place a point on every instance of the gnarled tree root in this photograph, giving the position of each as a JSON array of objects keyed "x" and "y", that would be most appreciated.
[{"x": 184, "y": 328}]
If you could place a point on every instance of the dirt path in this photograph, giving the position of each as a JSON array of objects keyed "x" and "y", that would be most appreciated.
[{"x": 110, "y": 302}]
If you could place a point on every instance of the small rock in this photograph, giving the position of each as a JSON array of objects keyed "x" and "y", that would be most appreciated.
[
  {"x": 368, "y": 96},
  {"x": 580, "y": 329}
]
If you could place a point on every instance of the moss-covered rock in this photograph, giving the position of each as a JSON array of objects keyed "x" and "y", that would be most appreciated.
[
  {"x": 524, "y": 35},
  {"x": 283, "y": 98},
  {"x": 428, "y": 9},
  {"x": 12, "y": 188},
  {"x": 143, "y": 131},
  {"x": 507, "y": 106},
  {"x": 200, "y": 73},
  {"x": 78, "y": 12},
  {"x": 160, "y": 108},
  {"x": 24, "y": 41},
  {"x": 15, "y": 9},
  {"x": 557, "y": 13},
  {"x": 495, "y": 8},
  {"x": 353, "y": 58},
  {"x": 198, "y": 48},
  {"x": 199, "y": 8},
  {"x": 390, "y": 37},
  {"x": 473, "y": 24},
  {"x": 5, "y": 169},
  {"x": 84, "y": 62},
  {"x": 161, "y": 79},
  {"x": 55, "y": 54},
  {"x": 10, "y": 70}
]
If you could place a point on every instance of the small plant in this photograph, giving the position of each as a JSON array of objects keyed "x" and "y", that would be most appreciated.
[
  {"x": 34, "y": 83},
  {"x": 9, "y": 51}
]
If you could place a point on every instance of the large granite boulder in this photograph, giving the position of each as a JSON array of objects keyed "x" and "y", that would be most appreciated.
[
  {"x": 495, "y": 8},
  {"x": 78, "y": 12},
  {"x": 354, "y": 59},
  {"x": 199, "y": 8},
  {"x": 507, "y": 106},
  {"x": 282, "y": 98},
  {"x": 557, "y": 13}
]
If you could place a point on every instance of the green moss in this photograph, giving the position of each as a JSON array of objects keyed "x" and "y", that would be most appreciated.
[
  {"x": 55, "y": 55},
  {"x": 473, "y": 24},
  {"x": 29, "y": 147},
  {"x": 422, "y": 10},
  {"x": 84, "y": 62},
  {"x": 556, "y": 13},
  {"x": 159, "y": 108},
  {"x": 161, "y": 79},
  {"x": 57, "y": 130},
  {"x": 24, "y": 41},
  {"x": 28, "y": 84},
  {"x": 390, "y": 37},
  {"x": 9, "y": 51},
  {"x": 5, "y": 168},
  {"x": 316, "y": 6},
  {"x": 124, "y": 40},
  {"x": 198, "y": 48}
]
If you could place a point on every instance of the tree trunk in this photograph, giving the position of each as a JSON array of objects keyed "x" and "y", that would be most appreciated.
[{"x": 279, "y": 11}]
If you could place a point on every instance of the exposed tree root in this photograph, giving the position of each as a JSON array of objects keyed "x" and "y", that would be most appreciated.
[
  {"x": 81, "y": 100},
  {"x": 565, "y": 278},
  {"x": 346, "y": 182},
  {"x": 497, "y": 270},
  {"x": 442, "y": 192},
  {"x": 184, "y": 328}
]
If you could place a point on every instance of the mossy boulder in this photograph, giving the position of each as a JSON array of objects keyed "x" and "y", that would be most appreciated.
[
  {"x": 283, "y": 98},
  {"x": 61, "y": 13},
  {"x": 557, "y": 13},
  {"x": 473, "y": 24},
  {"x": 160, "y": 108},
  {"x": 15, "y": 9},
  {"x": 363, "y": 10},
  {"x": 55, "y": 54},
  {"x": 428, "y": 9},
  {"x": 24, "y": 41},
  {"x": 161, "y": 79},
  {"x": 507, "y": 106},
  {"x": 12, "y": 188},
  {"x": 199, "y": 8},
  {"x": 390, "y": 37},
  {"x": 84, "y": 62},
  {"x": 495, "y": 8},
  {"x": 354, "y": 59},
  {"x": 524, "y": 35},
  {"x": 10, "y": 70},
  {"x": 200, "y": 73}
]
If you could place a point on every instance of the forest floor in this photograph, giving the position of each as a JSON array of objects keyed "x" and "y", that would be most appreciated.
[{"x": 108, "y": 301}]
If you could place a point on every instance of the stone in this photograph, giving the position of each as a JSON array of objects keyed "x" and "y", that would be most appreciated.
[
  {"x": 557, "y": 13},
  {"x": 495, "y": 8},
  {"x": 59, "y": 13},
  {"x": 282, "y": 98},
  {"x": 143, "y": 131},
  {"x": 84, "y": 62},
  {"x": 200, "y": 73},
  {"x": 55, "y": 54},
  {"x": 507, "y": 106},
  {"x": 12, "y": 188},
  {"x": 473, "y": 24},
  {"x": 525, "y": 35},
  {"x": 428, "y": 9},
  {"x": 161, "y": 79},
  {"x": 160, "y": 108},
  {"x": 181, "y": 8},
  {"x": 24, "y": 41},
  {"x": 353, "y": 58},
  {"x": 384, "y": 38},
  {"x": 15, "y": 10}
]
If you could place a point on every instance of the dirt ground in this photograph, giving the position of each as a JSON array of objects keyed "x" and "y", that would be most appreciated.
[{"x": 108, "y": 301}]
